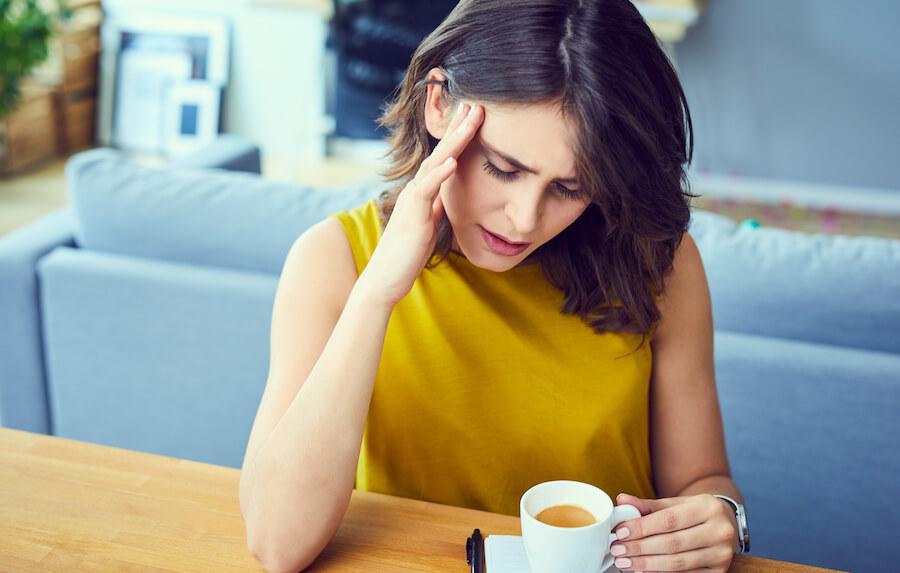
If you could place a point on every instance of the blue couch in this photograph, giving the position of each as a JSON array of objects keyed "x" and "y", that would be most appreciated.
[{"x": 138, "y": 317}]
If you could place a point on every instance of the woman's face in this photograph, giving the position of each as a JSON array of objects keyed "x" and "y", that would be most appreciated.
[{"x": 516, "y": 178}]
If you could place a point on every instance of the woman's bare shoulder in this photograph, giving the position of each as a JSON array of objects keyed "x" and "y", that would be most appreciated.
[{"x": 322, "y": 255}]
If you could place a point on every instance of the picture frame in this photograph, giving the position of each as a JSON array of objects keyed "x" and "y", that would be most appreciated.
[
  {"x": 191, "y": 117},
  {"x": 144, "y": 55}
]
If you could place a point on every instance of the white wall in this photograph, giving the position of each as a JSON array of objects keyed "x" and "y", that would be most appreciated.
[{"x": 275, "y": 95}]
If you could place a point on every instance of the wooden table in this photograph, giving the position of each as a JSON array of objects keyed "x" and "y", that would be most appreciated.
[{"x": 72, "y": 506}]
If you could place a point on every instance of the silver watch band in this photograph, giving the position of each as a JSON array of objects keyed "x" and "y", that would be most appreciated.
[{"x": 740, "y": 516}]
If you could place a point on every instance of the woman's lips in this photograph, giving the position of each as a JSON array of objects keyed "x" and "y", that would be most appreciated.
[{"x": 499, "y": 244}]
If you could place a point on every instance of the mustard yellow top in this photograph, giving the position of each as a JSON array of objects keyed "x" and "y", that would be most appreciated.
[{"x": 485, "y": 388}]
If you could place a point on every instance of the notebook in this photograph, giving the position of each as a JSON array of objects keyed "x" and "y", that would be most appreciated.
[{"x": 506, "y": 554}]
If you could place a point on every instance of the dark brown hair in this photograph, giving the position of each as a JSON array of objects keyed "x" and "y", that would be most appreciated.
[{"x": 600, "y": 61}]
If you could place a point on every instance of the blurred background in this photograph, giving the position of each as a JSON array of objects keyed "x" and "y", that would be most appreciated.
[{"x": 794, "y": 103}]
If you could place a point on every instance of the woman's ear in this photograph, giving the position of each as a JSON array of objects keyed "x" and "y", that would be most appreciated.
[{"x": 439, "y": 107}]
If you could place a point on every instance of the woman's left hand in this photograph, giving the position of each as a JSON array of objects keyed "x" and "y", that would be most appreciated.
[{"x": 691, "y": 533}]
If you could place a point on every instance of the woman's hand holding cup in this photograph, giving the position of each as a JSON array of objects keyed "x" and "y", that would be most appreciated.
[{"x": 688, "y": 533}]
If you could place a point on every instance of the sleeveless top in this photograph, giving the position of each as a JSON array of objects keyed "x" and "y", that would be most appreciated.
[{"x": 485, "y": 388}]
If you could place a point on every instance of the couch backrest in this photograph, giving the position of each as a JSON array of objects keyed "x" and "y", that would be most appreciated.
[
  {"x": 770, "y": 282},
  {"x": 829, "y": 289},
  {"x": 198, "y": 216},
  {"x": 817, "y": 288}
]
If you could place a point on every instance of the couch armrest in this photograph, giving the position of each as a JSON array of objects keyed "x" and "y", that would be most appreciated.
[
  {"x": 23, "y": 387},
  {"x": 228, "y": 151},
  {"x": 154, "y": 355}
]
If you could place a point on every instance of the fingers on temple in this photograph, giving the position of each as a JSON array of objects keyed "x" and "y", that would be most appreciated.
[
  {"x": 460, "y": 131},
  {"x": 429, "y": 184}
]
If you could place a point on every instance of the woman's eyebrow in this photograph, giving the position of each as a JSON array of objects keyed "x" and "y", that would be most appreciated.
[{"x": 514, "y": 162}]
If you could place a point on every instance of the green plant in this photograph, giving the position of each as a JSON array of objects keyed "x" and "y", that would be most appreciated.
[{"x": 25, "y": 31}]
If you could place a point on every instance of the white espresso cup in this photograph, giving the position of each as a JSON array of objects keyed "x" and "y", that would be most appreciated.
[{"x": 553, "y": 549}]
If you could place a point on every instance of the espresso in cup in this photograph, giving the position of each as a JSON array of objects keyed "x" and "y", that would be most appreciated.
[{"x": 566, "y": 516}]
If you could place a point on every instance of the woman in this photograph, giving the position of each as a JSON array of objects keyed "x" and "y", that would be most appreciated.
[{"x": 525, "y": 305}]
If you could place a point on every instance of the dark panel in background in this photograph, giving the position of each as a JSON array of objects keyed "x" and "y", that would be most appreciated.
[{"x": 373, "y": 42}]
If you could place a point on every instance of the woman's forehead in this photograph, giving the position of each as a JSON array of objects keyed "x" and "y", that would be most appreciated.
[{"x": 537, "y": 135}]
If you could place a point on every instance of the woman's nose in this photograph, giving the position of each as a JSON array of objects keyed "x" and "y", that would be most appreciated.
[{"x": 523, "y": 209}]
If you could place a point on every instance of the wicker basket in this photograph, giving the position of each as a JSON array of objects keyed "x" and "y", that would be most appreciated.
[{"x": 28, "y": 134}]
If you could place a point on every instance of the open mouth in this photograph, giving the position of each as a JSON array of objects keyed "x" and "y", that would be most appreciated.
[{"x": 500, "y": 245}]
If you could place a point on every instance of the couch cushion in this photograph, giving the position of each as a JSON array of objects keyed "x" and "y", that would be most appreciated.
[
  {"x": 155, "y": 356},
  {"x": 830, "y": 289},
  {"x": 199, "y": 216},
  {"x": 811, "y": 435}
]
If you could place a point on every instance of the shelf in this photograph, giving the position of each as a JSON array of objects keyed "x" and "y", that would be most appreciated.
[
  {"x": 669, "y": 19},
  {"x": 322, "y": 7}
]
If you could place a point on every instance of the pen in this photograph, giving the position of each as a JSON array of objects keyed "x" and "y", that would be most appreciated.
[{"x": 475, "y": 552}]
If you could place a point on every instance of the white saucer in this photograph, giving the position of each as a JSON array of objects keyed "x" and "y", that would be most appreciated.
[{"x": 506, "y": 554}]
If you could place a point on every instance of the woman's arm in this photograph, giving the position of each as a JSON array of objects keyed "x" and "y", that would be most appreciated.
[
  {"x": 304, "y": 448},
  {"x": 687, "y": 441},
  {"x": 327, "y": 337},
  {"x": 328, "y": 331},
  {"x": 687, "y": 528}
]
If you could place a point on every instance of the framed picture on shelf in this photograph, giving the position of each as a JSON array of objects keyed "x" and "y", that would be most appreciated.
[
  {"x": 145, "y": 56},
  {"x": 192, "y": 116}
]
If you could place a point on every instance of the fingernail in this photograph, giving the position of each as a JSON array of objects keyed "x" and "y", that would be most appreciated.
[
  {"x": 623, "y": 562},
  {"x": 623, "y": 533},
  {"x": 617, "y": 550}
]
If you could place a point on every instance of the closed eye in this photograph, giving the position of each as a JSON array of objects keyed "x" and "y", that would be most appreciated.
[
  {"x": 499, "y": 173},
  {"x": 507, "y": 176}
]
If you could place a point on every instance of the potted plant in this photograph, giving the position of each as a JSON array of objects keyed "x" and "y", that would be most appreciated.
[{"x": 25, "y": 30}]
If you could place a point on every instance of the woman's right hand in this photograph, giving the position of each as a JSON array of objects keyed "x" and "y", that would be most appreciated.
[{"x": 410, "y": 235}]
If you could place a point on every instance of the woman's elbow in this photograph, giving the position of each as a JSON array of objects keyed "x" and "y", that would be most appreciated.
[
  {"x": 278, "y": 564},
  {"x": 278, "y": 550},
  {"x": 278, "y": 558}
]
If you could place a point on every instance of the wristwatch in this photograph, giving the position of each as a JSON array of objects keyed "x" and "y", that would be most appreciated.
[{"x": 740, "y": 515}]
